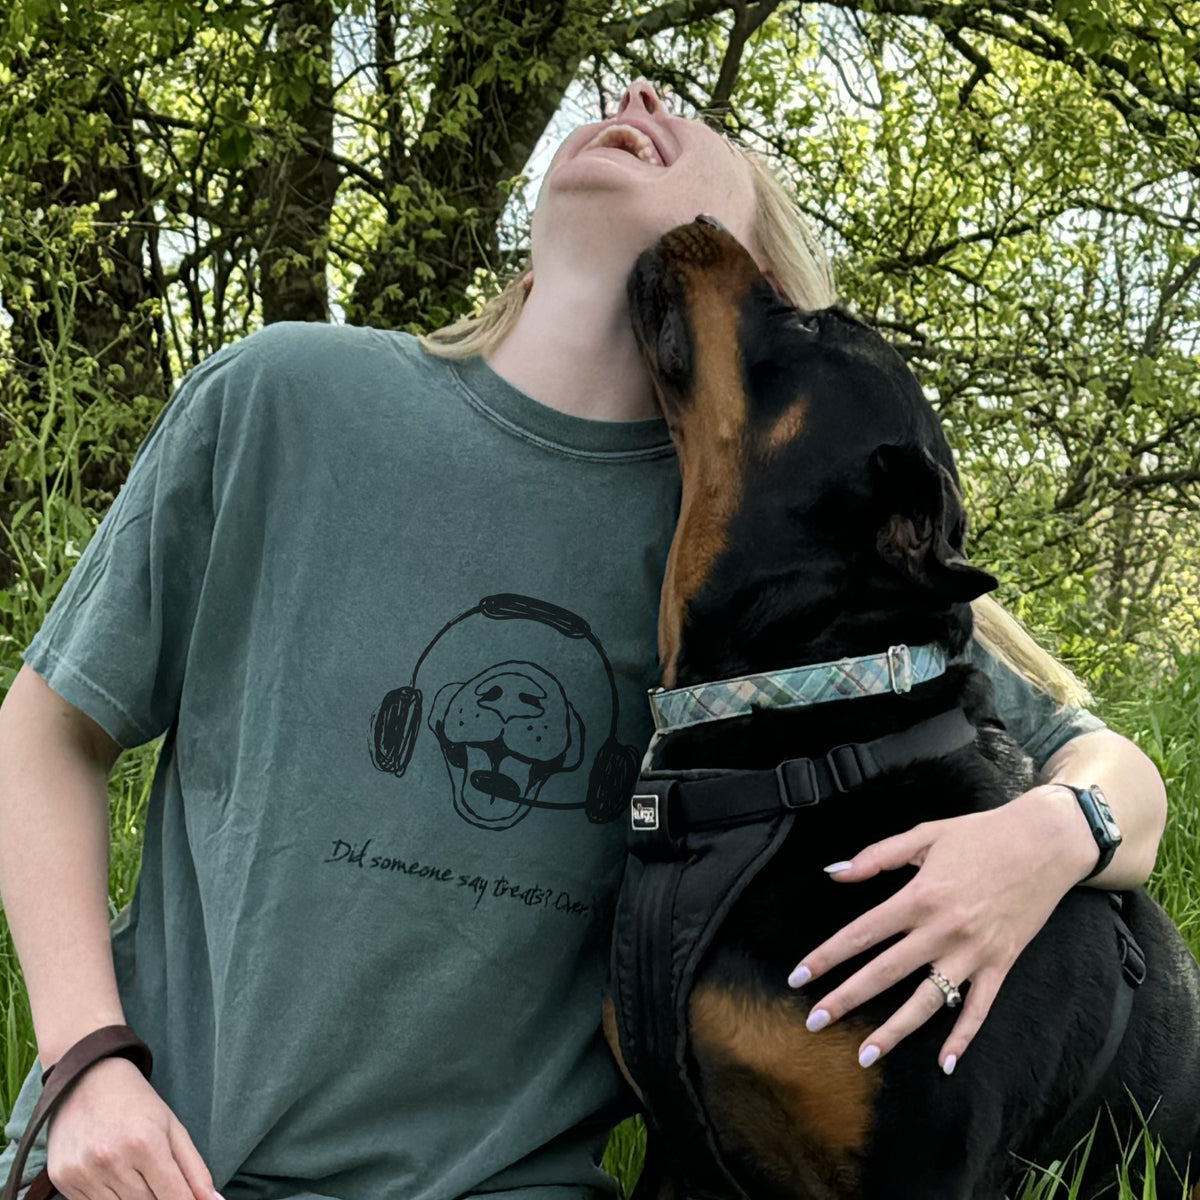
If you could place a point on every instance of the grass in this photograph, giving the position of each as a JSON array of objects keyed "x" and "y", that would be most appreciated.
[
  {"x": 1133, "y": 1177},
  {"x": 1165, "y": 723}
]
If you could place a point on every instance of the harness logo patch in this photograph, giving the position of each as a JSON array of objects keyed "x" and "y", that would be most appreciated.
[{"x": 643, "y": 813}]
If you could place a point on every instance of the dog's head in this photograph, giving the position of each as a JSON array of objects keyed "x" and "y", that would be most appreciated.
[{"x": 820, "y": 500}]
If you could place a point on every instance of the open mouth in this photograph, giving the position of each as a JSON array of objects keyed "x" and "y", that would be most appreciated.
[
  {"x": 492, "y": 789},
  {"x": 631, "y": 140}
]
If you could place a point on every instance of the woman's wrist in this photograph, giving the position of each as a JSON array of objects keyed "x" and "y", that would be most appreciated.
[
  {"x": 108, "y": 1041},
  {"x": 1055, "y": 808},
  {"x": 1135, "y": 794},
  {"x": 65, "y": 1032}
]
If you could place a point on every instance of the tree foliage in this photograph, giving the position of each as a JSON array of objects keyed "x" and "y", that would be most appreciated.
[{"x": 1011, "y": 189}]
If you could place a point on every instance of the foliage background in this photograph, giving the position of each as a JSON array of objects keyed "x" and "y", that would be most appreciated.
[{"x": 1010, "y": 188}]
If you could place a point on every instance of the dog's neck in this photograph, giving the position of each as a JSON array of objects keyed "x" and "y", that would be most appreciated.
[{"x": 738, "y": 630}]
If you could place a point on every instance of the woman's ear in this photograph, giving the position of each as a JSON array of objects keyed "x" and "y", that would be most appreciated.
[{"x": 527, "y": 283}]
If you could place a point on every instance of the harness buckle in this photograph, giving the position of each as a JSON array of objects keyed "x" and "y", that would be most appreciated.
[
  {"x": 899, "y": 668},
  {"x": 798, "y": 783},
  {"x": 845, "y": 767},
  {"x": 1133, "y": 961},
  {"x": 649, "y": 834}
]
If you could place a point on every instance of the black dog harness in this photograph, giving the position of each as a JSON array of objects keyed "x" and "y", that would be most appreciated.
[{"x": 697, "y": 839}]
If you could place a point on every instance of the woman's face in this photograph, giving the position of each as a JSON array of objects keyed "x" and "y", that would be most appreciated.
[{"x": 613, "y": 188}]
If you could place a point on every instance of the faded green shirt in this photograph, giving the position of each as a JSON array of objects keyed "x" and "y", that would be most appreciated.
[{"x": 369, "y": 936}]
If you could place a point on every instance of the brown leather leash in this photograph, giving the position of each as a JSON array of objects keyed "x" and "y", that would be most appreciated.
[{"x": 113, "y": 1041}]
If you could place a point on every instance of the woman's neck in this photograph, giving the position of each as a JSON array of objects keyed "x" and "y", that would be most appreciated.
[{"x": 573, "y": 349}]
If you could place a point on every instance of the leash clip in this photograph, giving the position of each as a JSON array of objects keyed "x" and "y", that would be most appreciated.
[{"x": 900, "y": 668}]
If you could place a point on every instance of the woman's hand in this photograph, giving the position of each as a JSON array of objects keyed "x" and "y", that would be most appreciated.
[
  {"x": 986, "y": 884},
  {"x": 113, "y": 1137}
]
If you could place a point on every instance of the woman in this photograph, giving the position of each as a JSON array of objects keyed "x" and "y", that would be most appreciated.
[{"x": 391, "y": 608}]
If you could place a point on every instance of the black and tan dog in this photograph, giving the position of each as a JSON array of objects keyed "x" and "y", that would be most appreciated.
[{"x": 821, "y": 519}]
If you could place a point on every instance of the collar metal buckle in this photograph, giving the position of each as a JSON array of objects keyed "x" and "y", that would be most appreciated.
[{"x": 899, "y": 668}]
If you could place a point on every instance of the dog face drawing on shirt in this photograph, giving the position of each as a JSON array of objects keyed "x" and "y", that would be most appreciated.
[
  {"x": 515, "y": 682},
  {"x": 503, "y": 733}
]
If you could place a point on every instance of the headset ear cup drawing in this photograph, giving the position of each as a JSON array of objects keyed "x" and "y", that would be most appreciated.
[
  {"x": 394, "y": 730},
  {"x": 611, "y": 782},
  {"x": 394, "y": 727}
]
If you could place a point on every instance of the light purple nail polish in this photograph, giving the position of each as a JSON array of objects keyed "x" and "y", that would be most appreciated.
[
  {"x": 817, "y": 1019},
  {"x": 834, "y": 868},
  {"x": 868, "y": 1056},
  {"x": 799, "y": 977},
  {"x": 948, "y": 1065}
]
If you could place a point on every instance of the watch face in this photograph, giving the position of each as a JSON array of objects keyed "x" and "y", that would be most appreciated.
[{"x": 1105, "y": 813}]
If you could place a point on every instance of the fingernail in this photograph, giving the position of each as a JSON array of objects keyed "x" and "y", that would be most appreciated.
[
  {"x": 868, "y": 1056},
  {"x": 834, "y": 868},
  {"x": 948, "y": 1065},
  {"x": 817, "y": 1019},
  {"x": 799, "y": 977}
]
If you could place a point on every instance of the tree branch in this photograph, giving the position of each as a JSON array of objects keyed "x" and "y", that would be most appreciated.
[{"x": 676, "y": 15}]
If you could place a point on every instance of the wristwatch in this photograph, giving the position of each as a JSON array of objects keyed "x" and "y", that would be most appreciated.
[{"x": 1100, "y": 821}]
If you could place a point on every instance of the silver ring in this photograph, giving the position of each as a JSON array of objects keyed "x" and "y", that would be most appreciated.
[{"x": 949, "y": 990}]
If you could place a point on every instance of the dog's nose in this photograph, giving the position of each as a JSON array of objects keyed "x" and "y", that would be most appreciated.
[{"x": 711, "y": 222}]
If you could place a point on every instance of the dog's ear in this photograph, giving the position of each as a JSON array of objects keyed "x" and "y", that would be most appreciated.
[{"x": 923, "y": 525}]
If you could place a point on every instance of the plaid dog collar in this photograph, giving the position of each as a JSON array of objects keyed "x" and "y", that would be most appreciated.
[{"x": 870, "y": 675}]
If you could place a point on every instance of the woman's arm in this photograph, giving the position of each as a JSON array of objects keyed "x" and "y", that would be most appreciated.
[
  {"x": 54, "y": 766},
  {"x": 112, "y": 1135},
  {"x": 1135, "y": 793}
]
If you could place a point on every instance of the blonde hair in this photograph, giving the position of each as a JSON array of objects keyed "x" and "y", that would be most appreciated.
[
  {"x": 802, "y": 272},
  {"x": 481, "y": 332},
  {"x": 1005, "y": 638}
]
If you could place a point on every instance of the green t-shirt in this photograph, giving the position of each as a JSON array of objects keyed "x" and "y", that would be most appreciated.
[{"x": 369, "y": 937}]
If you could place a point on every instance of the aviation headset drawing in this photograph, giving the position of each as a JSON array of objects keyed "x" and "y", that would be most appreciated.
[{"x": 509, "y": 728}]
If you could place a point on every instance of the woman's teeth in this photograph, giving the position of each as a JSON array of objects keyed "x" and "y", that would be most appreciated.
[{"x": 629, "y": 139}]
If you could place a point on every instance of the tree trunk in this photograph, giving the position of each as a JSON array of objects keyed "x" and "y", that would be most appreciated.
[
  {"x": 297, "y": 189},
  {"x": 484, "y": 119}
]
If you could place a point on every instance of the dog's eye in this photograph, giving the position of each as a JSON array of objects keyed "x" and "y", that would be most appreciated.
[{"x": 808, "y": 324}]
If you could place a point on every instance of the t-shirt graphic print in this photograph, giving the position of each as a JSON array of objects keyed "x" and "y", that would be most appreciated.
[{"x": 508, "y": 726}]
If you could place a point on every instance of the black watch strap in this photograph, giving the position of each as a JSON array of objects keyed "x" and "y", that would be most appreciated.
[{"x": 1094, "y": 806}]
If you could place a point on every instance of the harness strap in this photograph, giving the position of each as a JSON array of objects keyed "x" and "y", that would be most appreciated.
[
  {"x": 668, "y": 805},
  {"x": 668, "y": 912},
  {"x": 1133, "y": 973}
]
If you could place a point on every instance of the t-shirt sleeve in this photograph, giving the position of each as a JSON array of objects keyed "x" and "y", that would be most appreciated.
[
  {"x": 116, "y": 640},
  {"x": 1038, "y": 723}
]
